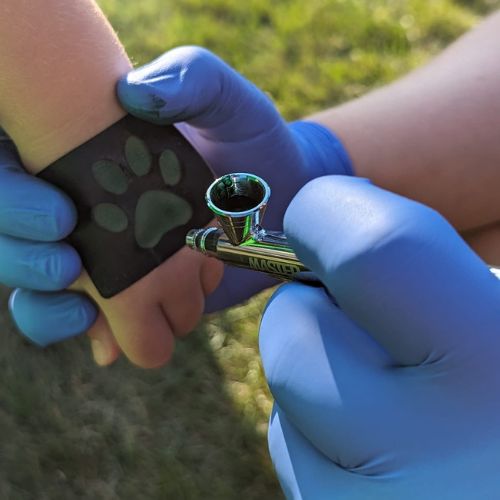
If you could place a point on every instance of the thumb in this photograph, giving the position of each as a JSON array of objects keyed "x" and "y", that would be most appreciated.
[
  {"x": 395, "y": 267},
  {"x": 192, "y": 84}
]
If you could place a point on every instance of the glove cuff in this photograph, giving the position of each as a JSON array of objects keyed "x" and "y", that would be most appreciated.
[{"x": 322, "y": 150}]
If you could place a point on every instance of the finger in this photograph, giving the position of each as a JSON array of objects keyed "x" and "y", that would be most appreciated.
[
  {"x": 47, "y": 318},
  {"x": 145, "y": 337},
  {"x": 303, "y": 471},
  {"x": 396, "y": 267},
  {"x": 137, "y": 322},
  {"x": 183, "y": 312},
  {"x": 191, "y": 275},
  {"x": 192, "y": 84},
  {"x": 485, "y": 241},
  {"x": 330, "y": 378},
  {"x": 105, "y": 349},
  {"x": 39, "y": 266},
  {"x": 31, "y": 208},
  {"x": 212, "y": 271}
]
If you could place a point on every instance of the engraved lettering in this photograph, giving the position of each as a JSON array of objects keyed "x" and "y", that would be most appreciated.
[{"x": 272, "y": 267}]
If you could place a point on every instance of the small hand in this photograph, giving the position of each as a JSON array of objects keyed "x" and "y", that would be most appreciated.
[
  {"x": 394, "y": 393},
  {"x": 235, "y": 127},
  {"x": 34, "y": 217}
]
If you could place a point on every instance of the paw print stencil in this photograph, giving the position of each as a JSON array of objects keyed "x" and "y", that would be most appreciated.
[
  {"x": 137, "y": 188},
  {"x": 157, "y": 210}
]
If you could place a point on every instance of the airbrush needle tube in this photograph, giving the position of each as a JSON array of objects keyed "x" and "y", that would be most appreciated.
[
  {"x": 269, "y": 254},
  {"x": 239, "y": 202}
]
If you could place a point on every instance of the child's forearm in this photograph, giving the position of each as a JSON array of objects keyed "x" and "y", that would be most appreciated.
[{"x": 59, "y": 63}]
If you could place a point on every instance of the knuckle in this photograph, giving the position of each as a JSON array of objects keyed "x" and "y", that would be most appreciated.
[
  {"x": 195, "y": 60},
  {"x": 196, "y": 53},
  {"x": 359, "y": 231}
]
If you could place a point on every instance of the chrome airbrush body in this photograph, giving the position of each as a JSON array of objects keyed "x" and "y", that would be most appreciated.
[{"x": 239, "y": 202}]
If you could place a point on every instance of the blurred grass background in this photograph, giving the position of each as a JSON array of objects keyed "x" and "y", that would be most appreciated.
[{"x": 196, "y": 429}]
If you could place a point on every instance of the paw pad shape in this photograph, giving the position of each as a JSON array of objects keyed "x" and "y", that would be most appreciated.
[{"x": 157, "y": 211}]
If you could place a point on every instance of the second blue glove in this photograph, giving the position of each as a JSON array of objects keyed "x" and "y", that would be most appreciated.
[
  {"x": 394, "y": 394},
  {"x": 34, "y": 217}
]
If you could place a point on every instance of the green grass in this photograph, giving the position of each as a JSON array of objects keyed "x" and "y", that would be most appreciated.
[{"x": 197, "y": 428}]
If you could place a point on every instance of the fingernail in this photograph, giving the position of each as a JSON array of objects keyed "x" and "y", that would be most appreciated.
[{"x": 100, "y": 353}]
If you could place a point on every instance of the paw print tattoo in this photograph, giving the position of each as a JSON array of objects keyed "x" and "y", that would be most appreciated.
[
  {"x": 157, "y": 211},
  {"x": 137, "y": 188}
]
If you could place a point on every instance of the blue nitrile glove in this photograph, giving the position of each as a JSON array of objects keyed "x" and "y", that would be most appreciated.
[
  {"x": 236, "y": 128},
  {"x": 33, "y": 216},
  {"x": 395, "y": 394}
]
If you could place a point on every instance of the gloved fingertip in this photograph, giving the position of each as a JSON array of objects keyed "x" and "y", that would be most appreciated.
[
  {"x": 67, "y": 267},
  {"x": 40, "y": 341},
  {"x": 64, "y": 218},
  {"x": 322, "y": 196},
  {"x": 46, "y": 318},
  {"x": 32, "y": 208},
  {"x": 140, "y": 100},
  {"x": 84, "y": 316}
]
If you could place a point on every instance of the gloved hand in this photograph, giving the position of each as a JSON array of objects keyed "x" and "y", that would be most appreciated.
[
  {"x": 34, "y": 216},
  {"x": 395, "y": 393},
  {"x": 236, "y": 128}
]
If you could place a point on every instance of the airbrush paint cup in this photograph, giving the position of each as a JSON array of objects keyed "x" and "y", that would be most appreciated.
[{"x": 239, "y": 202}]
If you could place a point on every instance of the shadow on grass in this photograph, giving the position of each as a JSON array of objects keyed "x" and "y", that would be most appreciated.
[{"x": 72, "y": 430}]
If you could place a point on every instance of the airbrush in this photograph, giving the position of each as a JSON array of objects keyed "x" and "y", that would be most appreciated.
[{"x": 239, "y": 202}]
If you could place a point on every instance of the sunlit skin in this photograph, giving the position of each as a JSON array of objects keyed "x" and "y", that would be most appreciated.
[
  {"x": 433, "y": 136},
  {"x": 59, "y": 63}
]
